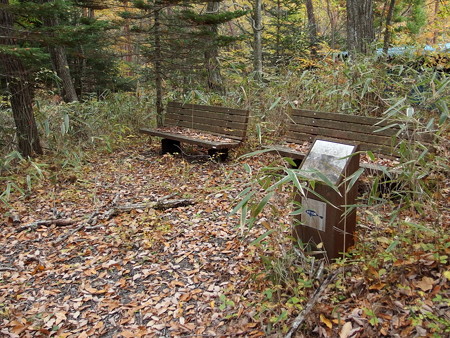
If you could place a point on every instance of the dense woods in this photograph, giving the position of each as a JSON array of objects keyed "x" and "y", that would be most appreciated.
[{"x": 102, "y": 236}]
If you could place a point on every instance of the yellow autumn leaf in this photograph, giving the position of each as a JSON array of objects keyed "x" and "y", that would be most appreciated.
[
  {"x": 326, "y": 321},
  {"x": 447, "y": 274}
]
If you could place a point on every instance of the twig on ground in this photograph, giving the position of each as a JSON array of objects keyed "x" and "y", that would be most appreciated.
[
  {"x": 38, "y": 224},
  {"x": 313, "y": 300},
  {"x": 68, "y": 234},
  {"x": 161, "y": 204},
  {"x": 71, "y": 232},
  {"x": 7, "y": 268}
]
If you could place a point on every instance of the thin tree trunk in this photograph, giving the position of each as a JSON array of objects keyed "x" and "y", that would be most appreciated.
[
  {"x": 436, "y": 12},
  {"x": 257, "y": 39},
  {"x": 387, "y": 32},
  {"x": 59, "y": 58},
  {"x": 360, "y": 32},
  {"x": 62, "y": 69},
  {"x": 333, "y": 24},
  {"x": 157, "y": 66},
  {"x": 278, "y": 35},
  {"x": 21, "y": 90},
  {"x": 215, "y": 81},
  {"x": 312, "y": 26}
]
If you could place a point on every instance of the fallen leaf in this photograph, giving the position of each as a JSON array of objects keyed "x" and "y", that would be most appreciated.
[
  {"x": 346, "y": 329},
  {"x": 326, "y": 321},
  {"x": 425, "y": 284}
]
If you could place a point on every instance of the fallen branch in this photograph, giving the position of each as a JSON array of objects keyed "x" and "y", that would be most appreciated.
[
  {"x": 160, "y": 205},
  {"x": 313, "y": 300},
  {"x": 38, "y": 224},
  {"x": 68, "y": 234},
  {"x": 7, "y": 268},
  {"x": 71, "y": 232}
]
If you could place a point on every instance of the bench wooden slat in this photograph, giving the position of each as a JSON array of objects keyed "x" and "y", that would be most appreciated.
[
  {"x": 285, "y": 151},
  {"x": 218, "y": 109},
  {"x": 350, "y": 126},
  {"x": 371, "y": 121},
  {"x": 341, "y": 134},
  {"x": 188, "y": 114},
  {"x": 192, "y": 140},
  {"x": 210, "y": 128},
  {"x": 375, "y": 148}
]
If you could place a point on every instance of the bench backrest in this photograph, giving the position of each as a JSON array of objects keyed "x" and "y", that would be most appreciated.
[
  {"x": 211, "y": 119},
  {"x": 306, "y": 125}
]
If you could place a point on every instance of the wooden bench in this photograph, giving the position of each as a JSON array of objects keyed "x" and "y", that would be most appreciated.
[
  {"x": 216, "y": 128},
  {"x": 372, "y": 134}
]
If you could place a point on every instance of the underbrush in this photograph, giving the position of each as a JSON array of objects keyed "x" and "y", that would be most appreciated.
[
  {"x": 400, "y": 256},
  {"x": 69, "y": 134}
]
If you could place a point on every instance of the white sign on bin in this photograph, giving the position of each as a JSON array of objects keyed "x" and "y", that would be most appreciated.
[
  {"x": 315, "y": 213},
  {"x": 327, "y": 157}
]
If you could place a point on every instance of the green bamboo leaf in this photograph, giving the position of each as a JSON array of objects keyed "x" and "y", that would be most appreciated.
[
  {"x": 280, "y": 182},
  {"x": 296, "y": 182},
  {"x": 243, "y": 202},
  {"x": 353, "y": 178},
  {"x": 392, "y": 246},
  {"x": 255, "y": 153},
  {"x": 371, "y": 155},
  {"x": 275, "y": 103},
  {"x": 264, "y": 235},
  {"x": 256, "y": 211},
  {"x": 247, "y": 168}
]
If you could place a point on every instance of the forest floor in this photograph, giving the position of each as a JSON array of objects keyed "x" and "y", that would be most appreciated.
[{"x": 73, "y": 264}]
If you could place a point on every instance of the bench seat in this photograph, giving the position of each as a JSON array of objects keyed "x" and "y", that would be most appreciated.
[{"x": 203, "y": 126}]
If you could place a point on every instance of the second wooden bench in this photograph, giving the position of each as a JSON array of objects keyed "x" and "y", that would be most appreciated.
[{"x": 372, "y": 134}]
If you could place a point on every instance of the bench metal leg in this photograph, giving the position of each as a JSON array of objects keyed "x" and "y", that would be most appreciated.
[
  {"x": 219, "y": 155},
  {"x": 169, "y": 146}
]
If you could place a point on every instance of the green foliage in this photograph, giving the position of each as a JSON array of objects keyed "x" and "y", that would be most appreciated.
[
  {"x": 85, "y": 41},
  {"x": 418, "y": 17},
  {"x": 211, "y": 18}
]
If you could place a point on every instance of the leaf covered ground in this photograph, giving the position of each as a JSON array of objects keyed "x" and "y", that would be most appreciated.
[{"x": 190, "y": 270}]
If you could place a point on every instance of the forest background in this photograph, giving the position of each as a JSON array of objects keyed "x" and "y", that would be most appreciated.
[{"x": 79, "y": 78}]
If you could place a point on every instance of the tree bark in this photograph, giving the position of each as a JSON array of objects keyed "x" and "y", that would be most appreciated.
[
  {"x": 215, "y": 81},
  {"x": 312, "y": 26},
  {"x": 257, "y": 39},
  {"x": 387, "y": 32},
  {"x": 360, "y": 32},
  {"x": 60, "y": 64},
  {"x": 436, "y": 12},
  {"x": 157, "y": 66},
  {"x": 333, "y": 24},
  {"x": 20, "y": 89}
]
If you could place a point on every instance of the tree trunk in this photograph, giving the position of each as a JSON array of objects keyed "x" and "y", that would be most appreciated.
[
  {"x": 215, "y": 81},
  {"x": 59, "y": 59},
  {"x": 387, "y": 32},
  {"x": 21, "y": 90},
  {"x": 61, "y": 65},
  {"x": 312, "y": 26},
  {"x": 278, "y": 36},
  {"x": 333, "y": 24},
  {"x": 257, "y": 39},
  {"x": 360, "y": 32},
  {"x": 157, "y": 66},
  {"x": 436, "y": 12}
]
